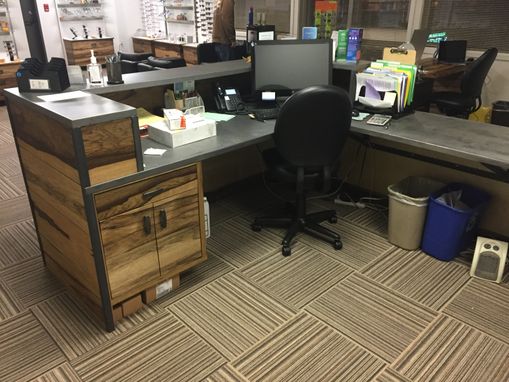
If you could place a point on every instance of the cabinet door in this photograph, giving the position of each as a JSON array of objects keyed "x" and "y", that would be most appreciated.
[
  {"x": 130, "y": 252},
  {"x": 179, "y": 232}
]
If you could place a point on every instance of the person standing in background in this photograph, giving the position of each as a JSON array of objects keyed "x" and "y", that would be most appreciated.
[{"x": 223, "y": 30}]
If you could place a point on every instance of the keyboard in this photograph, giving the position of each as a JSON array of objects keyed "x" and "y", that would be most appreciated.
[{"x": 266, "y": 113}]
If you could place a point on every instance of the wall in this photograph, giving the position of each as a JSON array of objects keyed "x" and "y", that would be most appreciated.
[
  {"x": 50, "y": 29},
  {"x": 18, "y": 29},
  {"x": 129, "y": 20}
]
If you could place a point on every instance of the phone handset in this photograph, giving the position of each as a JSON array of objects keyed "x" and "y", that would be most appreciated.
[{"x": 220, "y": 98}]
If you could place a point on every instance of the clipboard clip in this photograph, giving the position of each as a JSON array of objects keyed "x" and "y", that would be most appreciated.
[{"x": 399, "y": 50}]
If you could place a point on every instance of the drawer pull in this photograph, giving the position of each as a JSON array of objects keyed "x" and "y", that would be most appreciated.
[
  {"x": 162, "y": 219},
  {"x": 151, "y": 194},
  {"x": 147, "y": 226}
]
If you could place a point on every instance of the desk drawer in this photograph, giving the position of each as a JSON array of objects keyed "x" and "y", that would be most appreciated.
[{"x": 142, "y": 193}]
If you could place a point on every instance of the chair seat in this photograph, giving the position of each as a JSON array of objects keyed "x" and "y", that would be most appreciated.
[
  {"x": 453, "y": 100},
  {"x": 285, "y": 172}
]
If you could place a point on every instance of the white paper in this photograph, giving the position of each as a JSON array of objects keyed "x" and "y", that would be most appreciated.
[
  {"x": 153, "y": 151},
  {"x": 218, "y": 117},
  {"x": 63, "y": 96}
]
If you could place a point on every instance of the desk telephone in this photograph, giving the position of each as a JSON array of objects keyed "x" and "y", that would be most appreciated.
[{"x": 228, "y": 99}]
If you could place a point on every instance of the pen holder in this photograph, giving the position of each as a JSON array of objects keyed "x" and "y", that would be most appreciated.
[{"x": 114, "y": 71}]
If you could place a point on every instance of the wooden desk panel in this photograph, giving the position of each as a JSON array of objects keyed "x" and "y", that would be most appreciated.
[
  {"x": 143, "y": 45},
  {"x": 164, "y": 48}
]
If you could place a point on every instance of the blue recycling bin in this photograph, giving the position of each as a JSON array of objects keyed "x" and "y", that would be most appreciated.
[{"x": 449, "y": 230}]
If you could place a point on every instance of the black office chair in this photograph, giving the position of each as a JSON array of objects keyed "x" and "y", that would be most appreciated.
[
  {"x": 129, "y": 61},
  {"x": 469, "y": 99},
  {"x": 166, "y": 63},
  {"x": 310, "y": 132},
  {"x": 206, "y": 52}
]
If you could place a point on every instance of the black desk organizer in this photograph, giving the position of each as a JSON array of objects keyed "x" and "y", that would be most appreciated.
[
  {"x": 35, "y": 76},
  {"x": 392, "y": 111},
  {"x": 387, "y": 111}
]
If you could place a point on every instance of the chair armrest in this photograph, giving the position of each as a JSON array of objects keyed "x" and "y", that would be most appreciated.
[{"x": 144, "y": 67}]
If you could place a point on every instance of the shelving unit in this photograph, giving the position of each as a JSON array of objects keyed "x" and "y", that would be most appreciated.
[
  {"x": 204, "y": 19},
  {"x": 77, "y": 15},
  {"x": 180, "y": 20}
]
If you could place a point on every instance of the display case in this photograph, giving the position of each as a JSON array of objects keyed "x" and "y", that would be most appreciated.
[{"x": 180, "y": 20}]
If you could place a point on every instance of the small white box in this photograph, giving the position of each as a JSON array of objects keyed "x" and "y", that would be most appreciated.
[
  {"x": 207, "y": 217},
  {"x": 161, "y": 133}
]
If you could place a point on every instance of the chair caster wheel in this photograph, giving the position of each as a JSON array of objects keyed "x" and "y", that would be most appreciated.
[
  {"x": 256, "y": 227},
  {"x": 287, "y": 251},
  {"x": 333, "y": 219},
  {"x": 338, "y": 244}
]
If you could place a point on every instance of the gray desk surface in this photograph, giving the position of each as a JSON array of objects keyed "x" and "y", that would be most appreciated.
[
  {"x": 480, "y": 142},
  {"x": 80, "y": 112},
  {"x": 239, "y": 132},
  {"x": 96, "y": 109}
]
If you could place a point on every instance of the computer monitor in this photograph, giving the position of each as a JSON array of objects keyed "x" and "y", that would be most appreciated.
[
  {"x": 285, "y": 66},
  {"x": 452, "y": 51}
]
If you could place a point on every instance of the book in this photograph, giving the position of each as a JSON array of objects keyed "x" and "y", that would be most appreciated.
[
  {"x": 342, "y": 44},
  {"x": 309, "y": 33},
  {"x": 353, "y": 51}
]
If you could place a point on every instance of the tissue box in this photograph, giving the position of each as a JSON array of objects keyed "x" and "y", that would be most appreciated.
[{"x": 161, "y": 133}]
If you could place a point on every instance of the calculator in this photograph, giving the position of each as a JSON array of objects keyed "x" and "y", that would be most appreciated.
[{"x": 379, "y": 120}]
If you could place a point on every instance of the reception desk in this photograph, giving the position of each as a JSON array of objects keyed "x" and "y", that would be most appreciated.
[{"x": 113, "y": 223}]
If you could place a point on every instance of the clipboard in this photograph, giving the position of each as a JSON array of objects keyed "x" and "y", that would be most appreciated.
[{"x": 402, "y": 56}]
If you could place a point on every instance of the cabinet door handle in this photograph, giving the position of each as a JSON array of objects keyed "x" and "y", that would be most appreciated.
[
  {"x": 147, "y": 226},
  {"x": 162, "y": 219},
  {"x": 151, "y": 194}
]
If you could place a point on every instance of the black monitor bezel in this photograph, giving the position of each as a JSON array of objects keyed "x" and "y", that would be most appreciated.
[{"x": 257, "y": 92}]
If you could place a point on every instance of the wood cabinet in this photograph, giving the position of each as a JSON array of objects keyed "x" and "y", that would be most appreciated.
[
  {"x": 8, "y": 76},
  {"x": 190, "y": 53},
  {"x": 159, "y": 237},
  {"x": 78, "y": 51},
  {"x": 165, "y": 48},
  {"x": 143, "y": 45},
  {"x": 108, "y": 230}
]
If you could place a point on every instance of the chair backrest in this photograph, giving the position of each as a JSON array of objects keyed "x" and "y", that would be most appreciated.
[
  {"x": 475, "y": 74},
  {"x": 313, "y": 125},
  {"x": 206, "y": 52}
]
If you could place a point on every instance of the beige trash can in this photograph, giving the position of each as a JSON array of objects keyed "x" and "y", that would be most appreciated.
[{"x": 408, "y": 203}]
